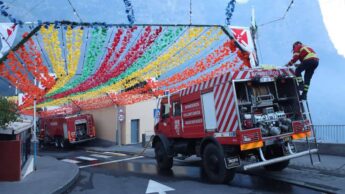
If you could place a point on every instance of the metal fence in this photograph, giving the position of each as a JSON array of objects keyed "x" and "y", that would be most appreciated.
[{"x": 330, "y": 133}]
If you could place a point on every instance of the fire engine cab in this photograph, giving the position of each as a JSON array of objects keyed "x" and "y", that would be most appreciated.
[{"x": 245, "y": 119}]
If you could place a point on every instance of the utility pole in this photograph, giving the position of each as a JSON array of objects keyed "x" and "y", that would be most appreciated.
[
  {"x": 253, "y": 32},
  {"x": 120, "y": 118},
  {"x": 34, "y": 137}
]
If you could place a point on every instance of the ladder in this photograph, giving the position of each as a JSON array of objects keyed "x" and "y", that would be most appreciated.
[{"x": 306, "y": 116}]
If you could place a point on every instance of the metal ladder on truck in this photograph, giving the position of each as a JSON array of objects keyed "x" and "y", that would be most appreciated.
[{"x": 310, "y": 140}]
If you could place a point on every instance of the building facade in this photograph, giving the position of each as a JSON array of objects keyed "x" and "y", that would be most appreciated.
[{"x": 137, "y": 120}]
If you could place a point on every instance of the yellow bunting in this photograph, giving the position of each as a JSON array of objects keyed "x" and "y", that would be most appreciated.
[
  {"x": 185, "y": 49},
  {"x": 73, "y": 44},
  {"x": 52, "y": 46},
  {"x": 191, "y": 44}
]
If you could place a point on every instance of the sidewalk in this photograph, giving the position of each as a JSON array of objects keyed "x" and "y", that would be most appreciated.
[{"x": 51, "y": 176}]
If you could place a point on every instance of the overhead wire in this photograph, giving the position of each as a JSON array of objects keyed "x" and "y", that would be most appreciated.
[
  {"x": 75, "y": 11},
  {"x": 270, "y": 22},
  {"x": 281, "y": 18},
  {"x": 190, "y": 12}
]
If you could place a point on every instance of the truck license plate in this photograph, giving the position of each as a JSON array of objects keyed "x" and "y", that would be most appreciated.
[
  {"x": 232, "y": 162},
  {"x": 269, "y": 142}
]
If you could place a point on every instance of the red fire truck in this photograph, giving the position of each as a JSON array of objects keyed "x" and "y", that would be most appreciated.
[
  {"x": 244, "y": 118},
  {"x": 65, "y": 130}
]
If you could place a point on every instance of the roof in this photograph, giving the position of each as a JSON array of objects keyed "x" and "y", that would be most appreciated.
[{"x": 16, "y": 127}]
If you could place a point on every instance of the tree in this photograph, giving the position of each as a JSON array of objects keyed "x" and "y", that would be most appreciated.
[{"x": 8, "y": 112}]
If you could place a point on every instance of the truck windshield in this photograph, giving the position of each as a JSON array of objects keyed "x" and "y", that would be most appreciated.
[
  {"x": 165, "y": 110},
  {"x": 177, "y": 109}
]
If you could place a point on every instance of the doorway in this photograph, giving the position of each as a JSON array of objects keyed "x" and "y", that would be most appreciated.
[{"x": 134, "y": 131}]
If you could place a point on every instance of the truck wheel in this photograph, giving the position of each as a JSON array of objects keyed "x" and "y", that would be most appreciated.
[
  {"x": 63, "y": 143},
  {"x": 274, "y": 152},
  {"x": 56, "y": 142},
  {"x": 214, "y": 165},
  {"x": 41, "y": 144},
  {"x": 164, "y": 161}
]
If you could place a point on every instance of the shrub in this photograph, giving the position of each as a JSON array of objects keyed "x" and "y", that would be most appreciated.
[{"x": 8, "y": 112}]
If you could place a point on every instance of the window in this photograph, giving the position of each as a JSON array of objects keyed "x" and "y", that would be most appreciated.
[
  {"x": 165, "y": 110},
  {"x": 177, "y": 108},
  {"x": 209, "y": 111}
]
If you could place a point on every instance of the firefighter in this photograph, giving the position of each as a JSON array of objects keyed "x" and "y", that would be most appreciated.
[{"x": 309, "y": 62}]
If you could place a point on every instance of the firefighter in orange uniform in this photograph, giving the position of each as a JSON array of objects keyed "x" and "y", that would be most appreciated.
[{"x": 309, "y": 62}]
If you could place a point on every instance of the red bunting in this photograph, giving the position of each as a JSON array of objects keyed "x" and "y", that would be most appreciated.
[{"x": 135, "y": 52}]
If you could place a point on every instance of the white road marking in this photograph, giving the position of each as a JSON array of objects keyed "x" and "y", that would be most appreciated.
[
  {"x": 86, "y": 158},
  {"x": 156, "y": 187},
  {"x": 113, "y": 161},
  {"x": 114, "y": 153},
  {"x": 71, "y": 161},
  {"x": 100, "y": 156}
]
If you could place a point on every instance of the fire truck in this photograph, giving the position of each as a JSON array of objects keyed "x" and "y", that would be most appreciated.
[
  {"x": 63, "y": 131},
  {"x": 244, "y": 119}
]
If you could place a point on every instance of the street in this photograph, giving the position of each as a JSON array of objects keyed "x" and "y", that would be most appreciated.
[{"x": 110, "y": 172}]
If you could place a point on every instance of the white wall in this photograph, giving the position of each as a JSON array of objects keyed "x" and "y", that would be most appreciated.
[
  {"x": 105, "y": 121},
  {"x": 144, "y": 112}
]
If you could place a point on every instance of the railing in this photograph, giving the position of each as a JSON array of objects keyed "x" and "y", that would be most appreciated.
[{"x": 330, "y": 133}]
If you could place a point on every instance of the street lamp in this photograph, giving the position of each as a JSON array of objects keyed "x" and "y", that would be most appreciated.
[{"x": 34, "y": 137}]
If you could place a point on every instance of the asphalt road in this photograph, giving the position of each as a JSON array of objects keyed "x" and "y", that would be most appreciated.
[{"x": 120, "y": 173}]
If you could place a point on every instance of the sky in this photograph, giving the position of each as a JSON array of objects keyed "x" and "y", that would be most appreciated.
[{"x": 317, "y": 23}]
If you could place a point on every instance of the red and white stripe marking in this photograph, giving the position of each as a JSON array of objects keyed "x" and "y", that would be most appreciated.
[
  {"x": 225, "y": 107},
  {"x": 240, "y": 75},
  {"x": 207, "y": 84},
  {"x": 290, "y": 72}
]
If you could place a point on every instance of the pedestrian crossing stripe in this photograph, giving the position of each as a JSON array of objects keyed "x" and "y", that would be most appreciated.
[
  {"x": 86, "y": 158},
  {"x": 100, "y": 156},
  {"x": 114, "y": 153},
  {"x": 71, "y": 161}
]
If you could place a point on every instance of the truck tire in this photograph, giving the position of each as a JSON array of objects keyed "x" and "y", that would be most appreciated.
[
  {"x": 164, "y": 162},
  {"x": 214, "y": 165},
  {"x": 41, "y": 143},
  {"x": 63, "y": 143},
  {"x": 274, "y": 152},
  {"x": 56, "y": 142}
]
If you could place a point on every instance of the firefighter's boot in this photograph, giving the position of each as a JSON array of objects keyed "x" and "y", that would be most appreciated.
[{"x": 305, "y": 91}]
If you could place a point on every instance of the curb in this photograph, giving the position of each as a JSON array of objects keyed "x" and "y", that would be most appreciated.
[
  {"x": 70, "y": 182},
  {"x": 323, "y": 170},
  {"x": 301, "y": 184}
]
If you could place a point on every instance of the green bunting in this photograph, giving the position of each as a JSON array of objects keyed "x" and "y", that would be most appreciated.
[{"x": 94, "y": 51}]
